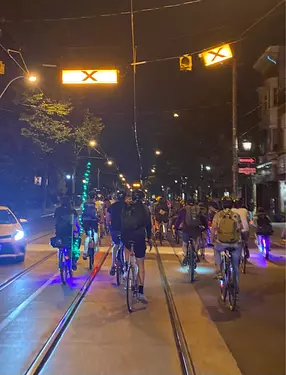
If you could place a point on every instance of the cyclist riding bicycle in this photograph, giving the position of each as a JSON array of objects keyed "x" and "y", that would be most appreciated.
[
  {"x": 226, "y": 234},
  {"x": 244, "y": 216},
  {"x": 67, "y": 225},
  {"x": 161, "y": 210},
  {"x": 136, "y": 224},
  {"x": 90, "y": 222},
  {"x": 263, "y": 229},
  {"x": 191, "y": 219},
  {"x": 113, "y": 221}
]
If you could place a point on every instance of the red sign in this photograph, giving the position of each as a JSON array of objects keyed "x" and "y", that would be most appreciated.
[
  {"x": 247, "y": 170},
  {"x": 246, "y": 160}
]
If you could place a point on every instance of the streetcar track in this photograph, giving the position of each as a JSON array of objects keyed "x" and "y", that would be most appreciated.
[
  {"x": 12, "y": 279},
  {"x": 49, "y": 346},
  {"x": 187, "y": 365}
]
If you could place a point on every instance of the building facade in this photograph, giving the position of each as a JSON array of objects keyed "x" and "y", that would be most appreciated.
[{"x": 269, "y": 182}]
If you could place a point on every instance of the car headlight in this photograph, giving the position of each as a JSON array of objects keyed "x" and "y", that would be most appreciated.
[{"x": 19, "y": 235}]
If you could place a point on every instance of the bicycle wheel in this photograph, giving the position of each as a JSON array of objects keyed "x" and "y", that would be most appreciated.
[
  {"x": 91, "y": 257},
  {"x": 118, "y": 272},
  {"x": 131, "y": 289},
  {"x": 63, "y": 268},
  {"x": 232, "y": 290},
  {"x": 242, "y": 262},
  {"x": 177, "y": 237},
  {"x": 191, "y": 255},
  {"x": 223, "y": 282},
  {"x": 160, "y": 237}
]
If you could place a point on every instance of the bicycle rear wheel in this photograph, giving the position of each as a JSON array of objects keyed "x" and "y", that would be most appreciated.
[
  {"x": 191, "y": 262},
  {"x": 243, "y": 262},
  {"x": 160, "y": 237},
  {"x": 232, "y": 290},
  {"x": 63, "y": 268},
  {"x": 119, "y": 268},
  {"x": 177, "y": 237},
  {"x": 91, "y": 257},
  {"x": 131, "y": 289}
]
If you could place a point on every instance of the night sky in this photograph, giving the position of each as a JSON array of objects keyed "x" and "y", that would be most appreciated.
[{"x": 201, "y": 96}]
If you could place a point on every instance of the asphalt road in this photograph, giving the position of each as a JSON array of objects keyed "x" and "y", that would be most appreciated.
[{"x": 249, "y": 341}]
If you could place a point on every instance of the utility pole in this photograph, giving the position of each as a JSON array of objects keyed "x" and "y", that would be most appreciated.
[
  {"x": 98, "y": 176},
  {"x": 234, "y": 128}
]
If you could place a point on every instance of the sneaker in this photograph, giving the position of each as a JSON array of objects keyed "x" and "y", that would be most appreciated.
[
  {"x": 142, "y": 298},
  {"x": 84, "y": 256},
  {"x": 112, "y": 271}
]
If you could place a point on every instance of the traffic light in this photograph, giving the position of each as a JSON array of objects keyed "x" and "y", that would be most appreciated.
[{"x": 186, "y": 62}]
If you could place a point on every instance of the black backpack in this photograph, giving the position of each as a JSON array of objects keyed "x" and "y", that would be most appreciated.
[{"x": 134, "y": 216}]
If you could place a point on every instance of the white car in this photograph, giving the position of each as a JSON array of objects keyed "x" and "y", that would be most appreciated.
[{"x": 12, "y": 236}]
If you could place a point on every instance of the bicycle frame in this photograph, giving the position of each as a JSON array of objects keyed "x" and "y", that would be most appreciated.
[{"x": 228, "y": 284}]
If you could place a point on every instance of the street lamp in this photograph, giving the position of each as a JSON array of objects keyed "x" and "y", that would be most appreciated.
[
  {"x": 208, "y": 168},
  {"x": 176, "y": 115},
  {"x": 123, "y": 179},
  {"x": 30, "y": 78},
  {"x": 158, "y": 152},
  {"x": 153, "y": 170},
  {"x": 109, "y": 162},
  {"x": 68, "y": 176},
  {"x": 92, "y": 143},
  {"x": 246, "y": 145},
  {"x": 121, "y": 175},
  {"x": 176, "y": 181}
]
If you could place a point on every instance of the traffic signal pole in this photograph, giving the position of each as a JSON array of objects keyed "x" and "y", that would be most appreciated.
[{"x": 234, "y": 128}]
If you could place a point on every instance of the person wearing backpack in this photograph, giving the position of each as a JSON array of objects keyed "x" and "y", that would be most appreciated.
[
  {"x": 90, "y": 221},
  {"x": 263, "y": 229},
  {"x": 190, "y": 219},
  {"x": 226, "y": 234},
  {"x": 136, "y": 225}
]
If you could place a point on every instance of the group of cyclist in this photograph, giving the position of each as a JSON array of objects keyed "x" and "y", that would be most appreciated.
[{"x": 129, "y": 219}]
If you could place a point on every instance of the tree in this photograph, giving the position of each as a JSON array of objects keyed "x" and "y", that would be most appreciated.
[
  {"x": 89, "y": 128},
  {"x": 47, "y": 120}
]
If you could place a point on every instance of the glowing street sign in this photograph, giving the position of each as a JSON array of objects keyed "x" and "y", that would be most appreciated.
[
  {"x": 216, "y": 55},
  {"x": 89, "y": 77},
  {"x": 247, "y": 170}
]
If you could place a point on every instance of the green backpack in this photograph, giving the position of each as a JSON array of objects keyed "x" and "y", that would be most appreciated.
[{"x": 228, "y": 230}]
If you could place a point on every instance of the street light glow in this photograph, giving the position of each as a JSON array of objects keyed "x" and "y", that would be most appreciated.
[
  {"x": 109, "y": 162},
  {"x": 176, "y": 181},
  {"x": 32, "y": 79},
  {"x": 176, "y": 114},
  {"x": 123, "y": 179},
  {"x": 208, "y": 168},
  {"x": 92, "y": 143},
  {"x": 246, "y": 145},
  {"x": 68, "y": 177},
  {"x": 153, "y": 170},
  {"x": 121, "y": 175},
  {"x": 158, "y": 152}
]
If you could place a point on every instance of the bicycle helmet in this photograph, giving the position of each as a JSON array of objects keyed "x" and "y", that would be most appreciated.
[
  {"x": 227, "y": 202},
  {"x": 121, "y": 195},
  {"x": 137, "y": 195}
]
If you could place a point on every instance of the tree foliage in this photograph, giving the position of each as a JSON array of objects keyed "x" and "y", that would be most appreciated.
[{"x": 47, "y": 121}]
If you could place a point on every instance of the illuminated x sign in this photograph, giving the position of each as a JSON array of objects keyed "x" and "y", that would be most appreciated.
[
  {"x": 217, "y": 55},
  {"x": 87, "y": 77}
]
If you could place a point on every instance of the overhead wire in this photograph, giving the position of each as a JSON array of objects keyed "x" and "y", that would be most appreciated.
[{"x": 123, "y": 13}]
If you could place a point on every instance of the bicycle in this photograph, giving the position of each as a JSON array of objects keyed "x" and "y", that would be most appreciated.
[
  {"x": 131, "y": 280},
  {"x": 191, "y": 259},
  {"x": 201, "y": 242},
  {"x": 228, "y": 284},
  {"x": 64, "y": 258},
  {"x": 160, "y": 232},
  {"x": 91, "y": 248},
  {"x": 243, "y": 259},
  {"x": 263, "y": 244},
  {"x": 119, "y": 262}
]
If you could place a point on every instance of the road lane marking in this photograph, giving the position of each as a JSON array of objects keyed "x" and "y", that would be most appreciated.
[{"x": 24, "y": 304}]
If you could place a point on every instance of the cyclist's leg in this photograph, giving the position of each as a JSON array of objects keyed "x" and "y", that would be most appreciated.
[
  {"x": 267, "y": 244},
  {"x": 86, "y": 227},
  {"x": 140, "y": 251},
  {"x": 115, "y": 247},
  {"x": 186, "y": 238},
  {"x": 235, "y": 257},
  {"x": 245, "y": 236},
  {"x": 218, "y": 248},
  {"x": 95, "y": 228}
]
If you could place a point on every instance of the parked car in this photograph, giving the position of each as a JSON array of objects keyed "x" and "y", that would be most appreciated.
[{"x": 12, "y": 235}]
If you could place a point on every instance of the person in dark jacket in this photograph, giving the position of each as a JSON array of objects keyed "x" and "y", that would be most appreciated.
[
  {"x": 263, "y": 230},
  {"x": 66, "y": 226},
  {"x": 191, "y": 220}
]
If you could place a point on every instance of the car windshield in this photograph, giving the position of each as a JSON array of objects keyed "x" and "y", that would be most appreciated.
[{"x": 6, "y": 217}]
